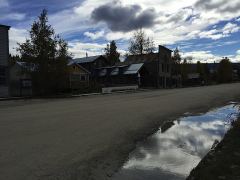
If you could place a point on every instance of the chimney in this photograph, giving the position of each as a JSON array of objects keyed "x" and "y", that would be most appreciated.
[{"x": 86, "y": 55}]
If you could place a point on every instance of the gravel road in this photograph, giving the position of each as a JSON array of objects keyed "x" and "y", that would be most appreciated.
[{"x": 90, "y": 137}]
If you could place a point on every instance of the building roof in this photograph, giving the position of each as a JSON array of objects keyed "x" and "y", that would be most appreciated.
[
  {"x": 76, "y": 64},
  {"x": 133, "y": 68},
  {"x": 136, "y": 59},
  {"x": 163, "y": 47},
  {"x": 87, "y": 59},
  {"x": 30, "y": 67},
  {"x": 119, "y": 70},
  {"x": 4, "y": 26}
]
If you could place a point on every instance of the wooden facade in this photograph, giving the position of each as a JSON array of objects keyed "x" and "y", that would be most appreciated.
[
  {"x": 78, "y": 76},
  {"x": 92, "y": 62},
  {"x": 150, "y": 70},
  {"x": 158, "y": 68}
]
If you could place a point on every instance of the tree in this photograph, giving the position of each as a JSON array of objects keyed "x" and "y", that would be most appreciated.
[
  {"x": 176, "y": 62},
  {"x": 141, "y": 44},
  {"x": 185, "y": 70},
  {"x": 176, "y": 56},
  {"x": 112, "y": 53},
  {"x": 13, "y": 59},
  {"x": 48, "y": 55},
  {"x": 225, "y": 71},
  {"x": 199, "y": 68}
]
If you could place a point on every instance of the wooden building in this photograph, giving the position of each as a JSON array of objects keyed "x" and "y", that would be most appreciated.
[
  {"x": 157, "y": 68},
  {"x": 120, "y": 75},
  {"x": 21, "y": 81},
  {"x": 92, "y": 62},
  {"x": 4, "y": 54},
  {"x": 78, "y": 76},
  {"x": 147, "y": 70}
]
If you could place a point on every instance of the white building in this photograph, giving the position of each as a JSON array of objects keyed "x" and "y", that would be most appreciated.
[{"x": 4, "y": 54}]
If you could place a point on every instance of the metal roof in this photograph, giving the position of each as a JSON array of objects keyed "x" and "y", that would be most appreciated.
[
  {"x": 133, "y": 68},
  {"x": 86, "y": 59}
]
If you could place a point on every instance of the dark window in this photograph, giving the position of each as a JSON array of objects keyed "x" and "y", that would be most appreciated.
[
  {"x": 83, "y": 78},
  {"x": 3, "y": 76},
  {"x": 75, "y": 77}
]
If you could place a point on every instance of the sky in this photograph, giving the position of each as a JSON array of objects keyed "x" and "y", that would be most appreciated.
[{"x": 203, "y": 30}]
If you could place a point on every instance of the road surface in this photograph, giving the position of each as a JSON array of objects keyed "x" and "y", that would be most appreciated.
[{"x": 90, "y": 137}]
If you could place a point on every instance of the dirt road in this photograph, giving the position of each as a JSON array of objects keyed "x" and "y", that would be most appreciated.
[{"x": 89, "y": 137}]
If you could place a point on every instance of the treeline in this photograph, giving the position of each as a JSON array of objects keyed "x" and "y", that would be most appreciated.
[{"x": 221, "y": 72}]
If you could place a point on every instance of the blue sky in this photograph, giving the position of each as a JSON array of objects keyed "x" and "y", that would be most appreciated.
[{"x": 204, "y": 30}]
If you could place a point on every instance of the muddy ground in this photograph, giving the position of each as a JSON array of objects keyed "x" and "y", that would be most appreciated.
[{"x": 90, "y": 137}]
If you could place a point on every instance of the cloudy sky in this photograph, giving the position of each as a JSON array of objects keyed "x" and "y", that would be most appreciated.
[{"x": 202, "y": 29}]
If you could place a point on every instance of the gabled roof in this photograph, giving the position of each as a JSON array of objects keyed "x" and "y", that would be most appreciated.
[
  {"x": 87, "y": 59},
  {"x": 76, "y": 64}
]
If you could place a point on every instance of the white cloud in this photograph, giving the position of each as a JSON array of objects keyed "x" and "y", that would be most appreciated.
[
  {"x": 208, "y": 57},
  {"x": 16, "y": 36},
  {"x": 177, "y": 21},
  {"x": 202, "y": 56},
  {"x": 13, "y": 16},
  {"x": 95, "y": 35},
  {"x": 79, "y": 49},
  {"x": 230, "y": 28},
  {"x": 216, "y": 34}
]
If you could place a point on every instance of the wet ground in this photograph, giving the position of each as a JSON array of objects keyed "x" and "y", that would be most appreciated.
[{"x": 178, "y": 147}]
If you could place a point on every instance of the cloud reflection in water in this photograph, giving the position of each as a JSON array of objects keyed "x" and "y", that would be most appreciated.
[{"x": 174, "y": 153}]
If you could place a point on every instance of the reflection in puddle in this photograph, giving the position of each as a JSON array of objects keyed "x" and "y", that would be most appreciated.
[{"x": 173, "y": 152}]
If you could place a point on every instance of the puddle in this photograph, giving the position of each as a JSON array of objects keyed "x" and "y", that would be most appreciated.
[{"x": 174, "y": 151}]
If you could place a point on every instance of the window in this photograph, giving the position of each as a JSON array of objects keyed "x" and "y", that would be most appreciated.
[
  {"x": 83, "y": 78},
  {"x": 26, "y": 83},
  {"x": 3, "y": 76},
  {"x": 163, "y": 68}
]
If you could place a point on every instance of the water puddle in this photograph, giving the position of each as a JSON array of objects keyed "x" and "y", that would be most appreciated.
[{"x": 178, "y": 147}]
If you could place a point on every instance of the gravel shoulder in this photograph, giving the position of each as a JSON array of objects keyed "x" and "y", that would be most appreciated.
[{"x": 90, "y": 137}]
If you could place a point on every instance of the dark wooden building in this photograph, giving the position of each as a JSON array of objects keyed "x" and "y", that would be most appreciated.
[
  {"x": 92, "y": 62},
  {"x": 147, "y": 70},
  {"x": 4, "y": 54},
  {"x": 120, "y": 75},
  {"x": 157, "y": 68}
]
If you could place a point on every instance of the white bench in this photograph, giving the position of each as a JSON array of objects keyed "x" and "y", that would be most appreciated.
[{"x": 120, "y": 88}]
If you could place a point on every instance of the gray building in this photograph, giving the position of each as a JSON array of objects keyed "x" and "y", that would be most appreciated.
[{"x": 4, "y": 54}]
